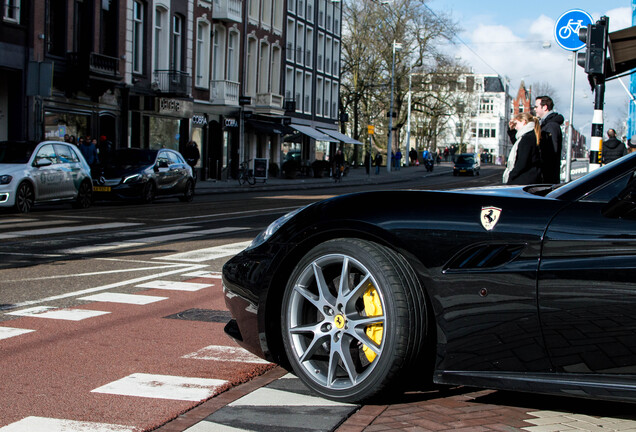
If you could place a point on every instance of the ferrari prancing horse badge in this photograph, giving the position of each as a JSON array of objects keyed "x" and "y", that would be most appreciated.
[{"x": 490, "y": 217}]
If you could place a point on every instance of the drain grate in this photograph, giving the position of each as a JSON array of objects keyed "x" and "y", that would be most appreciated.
[{"x": 206, "y": 315}]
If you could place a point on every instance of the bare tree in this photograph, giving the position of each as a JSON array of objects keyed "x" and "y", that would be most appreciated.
[
  {"x": 543, "y": 88},
  {"x": 370, "y": 31}
]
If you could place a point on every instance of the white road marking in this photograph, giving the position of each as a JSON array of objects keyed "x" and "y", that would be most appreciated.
[
  {"x": 33, "y": 223},
  {"x": 241, "y": 213},
  {"x": 156, "y": 266},
  {"x": 101, "y": 247},
  {"x": 207, "y": 254},
  {"x": 42, "y": 424},
  {"x": 204, "y": 274},
  {"x": 71, "y": 229},
  {"x": 185, "y": 268},
  {"x": 174, "y": 286},
  {"x": 163, "y": 387},
  {"x": 221, "y": 230},
  {"x": 8, "y": 221},
  {"x": 206, "y": 426},
  {"x": 9, "y": 332},
  {"x": 272, "y": 397},
  {"x": 135, "y": 299},
  {"x": 225, "y": 353},
  {"x": 60, "y": 314},
  {"x": 170, "y": 228}
]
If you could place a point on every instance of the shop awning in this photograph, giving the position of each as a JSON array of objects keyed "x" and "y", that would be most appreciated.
[
  {"x": 268, "y": 127},
  {"x": 340, "y": 136},
  {"x": 313, "y": 133}
]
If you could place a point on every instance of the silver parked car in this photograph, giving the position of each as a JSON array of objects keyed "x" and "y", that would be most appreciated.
[{"x": 46, "y": 172}]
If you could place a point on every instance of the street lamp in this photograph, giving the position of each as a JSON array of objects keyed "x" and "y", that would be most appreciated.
[{"x": 396, "y": 47}]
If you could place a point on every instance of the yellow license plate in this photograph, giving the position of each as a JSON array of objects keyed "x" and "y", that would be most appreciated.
[
  {"x": 462, "y": 170},
  {"x": 101, "y": 188}
]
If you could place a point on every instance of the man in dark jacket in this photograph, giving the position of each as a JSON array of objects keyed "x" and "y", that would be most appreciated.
[
  {"x": 612, "y": 148},
  {"x": 551, "y": 139}
]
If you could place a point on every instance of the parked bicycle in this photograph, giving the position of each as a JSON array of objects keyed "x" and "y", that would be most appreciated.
[{"x": 246, "y": 175}]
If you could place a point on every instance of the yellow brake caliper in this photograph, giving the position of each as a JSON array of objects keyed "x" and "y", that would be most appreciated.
[{"x": 372, "y": 307}]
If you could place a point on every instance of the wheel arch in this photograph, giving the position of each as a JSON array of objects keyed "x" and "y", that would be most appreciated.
[{"x": 271, "y": 317}]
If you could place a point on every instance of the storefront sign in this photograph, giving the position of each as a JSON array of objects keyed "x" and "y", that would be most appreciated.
[
  {"x": 231, "y": 122},
  {"x": 174, "y": 107},
  {"x": 199, "y": 120}
]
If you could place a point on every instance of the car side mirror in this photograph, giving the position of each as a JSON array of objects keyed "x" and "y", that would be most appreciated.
[
  {"x": 42, "y": 163},
  {"x": 623, "y": 206}
]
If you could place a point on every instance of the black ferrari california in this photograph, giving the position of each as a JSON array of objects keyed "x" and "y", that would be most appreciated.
[{"x": 521, "y": 288}]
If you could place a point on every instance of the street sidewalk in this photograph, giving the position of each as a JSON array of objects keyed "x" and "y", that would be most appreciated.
[{"x": 356, "y": 176}]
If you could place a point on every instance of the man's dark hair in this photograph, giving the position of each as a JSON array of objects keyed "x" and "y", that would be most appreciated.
[
  {"x": 546, "y": 101},
  {"x": 611, "y": 133}
]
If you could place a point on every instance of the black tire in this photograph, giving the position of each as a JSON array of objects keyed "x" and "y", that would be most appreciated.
[
  {"x": 149, "y": 192},
  {"x": 251, "y": 179},
  {"x": 84, "y": 195},
  {"x": 188, "y": 193},
  {"x": 24, "y": 197},
  {"x": 380, "y": 307},
  {"x": 241, "y": 179}
]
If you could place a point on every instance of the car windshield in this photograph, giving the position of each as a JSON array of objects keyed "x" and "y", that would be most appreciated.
[
  {"x": 135, "y": 157},
  {"x": 465, "y": 160},
  {"x": 15, "y": 152}
]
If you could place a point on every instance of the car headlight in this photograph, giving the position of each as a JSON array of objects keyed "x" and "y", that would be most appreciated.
[
  {"x": 5, "y": 179},
  {"x": 132, "y": 178},
  {"x": 272, "y": 228}
]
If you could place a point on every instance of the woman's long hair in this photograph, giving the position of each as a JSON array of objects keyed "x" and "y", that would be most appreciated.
[{"x": 527, "y": 117}]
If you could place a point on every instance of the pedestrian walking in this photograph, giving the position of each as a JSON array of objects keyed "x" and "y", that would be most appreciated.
[
  {"x": 524, "y": 161},
  {"x": 613, "y": 148},
  {"x": 551, "y": 139},
  {"x": 378, "y": 162},
  {"x": 89, "y": 151},
  {"x": 398, "y": 160},
  {"x": 192, "y": 156}
]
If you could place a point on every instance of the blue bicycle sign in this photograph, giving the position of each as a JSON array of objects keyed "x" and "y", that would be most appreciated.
[{"x": 566, "y": 29}]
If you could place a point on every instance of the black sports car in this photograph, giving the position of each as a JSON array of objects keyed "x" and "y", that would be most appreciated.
[
  {"x": 144, "y": 174},
  {"x": 520, "y": 288}
]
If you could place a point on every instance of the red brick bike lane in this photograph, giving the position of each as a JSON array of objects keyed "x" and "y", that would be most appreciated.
[{"x": 54, "y": 370}]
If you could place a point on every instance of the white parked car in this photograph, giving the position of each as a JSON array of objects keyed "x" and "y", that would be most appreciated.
[{"x": 46, "y": 172}]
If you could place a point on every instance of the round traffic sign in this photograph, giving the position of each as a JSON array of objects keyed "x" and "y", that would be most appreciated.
[{"x": 566, "y": 29}]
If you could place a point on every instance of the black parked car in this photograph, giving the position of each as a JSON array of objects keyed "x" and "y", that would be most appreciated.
[
  {"x": 144, "y": 175},
  {"x": 520, "y": 288}
]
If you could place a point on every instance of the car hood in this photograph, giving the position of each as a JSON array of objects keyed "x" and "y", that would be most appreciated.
[{"x": 11, "y": 168}]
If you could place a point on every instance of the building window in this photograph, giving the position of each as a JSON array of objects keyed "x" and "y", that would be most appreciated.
[
  {"x": 218, "y": 53},
  {"x": 289, "y": 83},
  {"x": 276, "y": 67},
  {"x": 203, "y": 55},
  {"x": 334, "y": 100},
  {"x": 299, "y": 91},
  {"x": 327, "y": 99},
  {"x": 291, "y": 38},
  {"x": 12, "y": 11},
  {"x": 309, "y": 43},
  {"x": 277, "y": 10},
  {"x": 301, "y": 9},
  {"x": 250, "y": 78},
  {"x": 319, "y": 91},
  {"x": 336, "y": 56},
  {"x": 307, "y": 103},
  {"x": 233, "y": 57},
  {"x": 266, "y": 13},
  {"x": 138, "y": 37},
  {"x": 291, "y": 6},
  {"x": 320, "y": 51},
  {"x": 177, "y": 42},
  {"x": 161, "y": 39},
  {"x": 486, "y": 105},
  {"x": 263, "y": 69},
  {"x": 310, "y": 11},
  {"x": 56, "y": 28},
  {"x": 253, "y": 10},
  {"x": 328, "y": 49},
  {"x": 300, "y": 44}
]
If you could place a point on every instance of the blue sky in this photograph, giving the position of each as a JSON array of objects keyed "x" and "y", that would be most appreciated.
[{"x": 508, "y": 38}]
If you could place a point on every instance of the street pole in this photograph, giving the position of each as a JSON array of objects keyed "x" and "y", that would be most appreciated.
[
  {"x": 597, "y": 124},
  {"x": 408, "y": 127},
  {"x": 568, "y": 156},
  {"x": 389, "y": 159}
]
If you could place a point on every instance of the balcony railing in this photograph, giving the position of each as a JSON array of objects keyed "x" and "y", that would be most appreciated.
[
  {"x": 224, "y": 92},
  {"x": 269, "y": 100},
  {"x": 227, "y": 10},
  {"x": 94, "y": 64},
  {"x": 173, "y": 82}
]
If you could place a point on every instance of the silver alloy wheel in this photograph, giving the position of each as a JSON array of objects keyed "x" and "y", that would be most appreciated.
[
  {"x": 24, "y": 197},
  {"x": 329, "y": 322}
]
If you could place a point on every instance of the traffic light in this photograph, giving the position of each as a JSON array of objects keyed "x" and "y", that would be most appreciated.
[{"x": 595, "y": 38}]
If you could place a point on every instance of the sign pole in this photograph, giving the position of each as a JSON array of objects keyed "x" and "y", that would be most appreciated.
[{"x": 568, "y": 156}]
